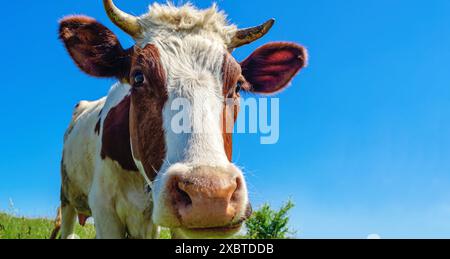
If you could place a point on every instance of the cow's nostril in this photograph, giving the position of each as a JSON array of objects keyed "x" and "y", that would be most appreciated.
[
  {"x": 235, "y": 197},
  {"x": 182, "y": 198}
]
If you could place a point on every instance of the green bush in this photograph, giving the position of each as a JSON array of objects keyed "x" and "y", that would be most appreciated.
[{"x": 267, "y": 223}]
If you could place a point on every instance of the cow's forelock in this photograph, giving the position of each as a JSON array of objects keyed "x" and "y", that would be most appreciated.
[{"x": 163, "y": 21}]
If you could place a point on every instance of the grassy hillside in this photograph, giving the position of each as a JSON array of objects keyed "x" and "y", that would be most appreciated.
[{"x": 24, "y": 228}]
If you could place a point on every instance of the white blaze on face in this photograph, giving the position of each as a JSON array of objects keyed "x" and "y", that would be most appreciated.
[
  {"x": 193, "y": 68},
  {"x": 194, "y": 78}
]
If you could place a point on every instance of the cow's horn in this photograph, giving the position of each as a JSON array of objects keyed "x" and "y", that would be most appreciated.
[
  {"x": 128, "y": 23},
  {"x": 249, "y": 35}
]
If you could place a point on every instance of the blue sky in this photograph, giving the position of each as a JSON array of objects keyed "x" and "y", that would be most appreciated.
[{"x": 364, "y": 141}]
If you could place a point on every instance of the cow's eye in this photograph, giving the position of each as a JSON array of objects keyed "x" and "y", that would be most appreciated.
[
  {"x": 138, "y": 78},
  {"x": 239, "y": 85}
]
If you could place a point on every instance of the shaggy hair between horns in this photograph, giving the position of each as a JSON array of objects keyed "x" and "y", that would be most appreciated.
[{"x": 187, "y": 19}]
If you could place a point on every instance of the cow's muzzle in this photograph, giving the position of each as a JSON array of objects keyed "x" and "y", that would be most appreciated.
[{"x": 205, "y": 199}]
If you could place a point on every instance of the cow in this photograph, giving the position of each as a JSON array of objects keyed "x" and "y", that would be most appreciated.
[{"x": 122, "y": 163}]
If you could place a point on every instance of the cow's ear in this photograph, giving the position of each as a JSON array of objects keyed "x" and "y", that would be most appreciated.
[
  {"x": 271, "y": 67},
  {"x": 94, "y": 48}
]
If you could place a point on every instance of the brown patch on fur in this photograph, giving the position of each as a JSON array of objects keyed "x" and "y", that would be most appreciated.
[
  {"x": 228, "y": 144},
  {"x": 78, "y": 201},
  {"x": 94, "y": 48},
  {"x": 231, "y": 74},
  {"x": 64, "y": 184},
  {"x": 69, "y": 131},
  {"x": 147, "y": 103},
  {"x": 116, "y": 136},
  {"x": 97, "y": 127},
  {"x": 58, "y": 223},
  {"x": 82, "y": 219}
]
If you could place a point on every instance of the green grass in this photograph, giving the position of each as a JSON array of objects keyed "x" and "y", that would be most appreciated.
[
  {"x": 25, "y": 228},
  {"x": 12, "y": 227}
]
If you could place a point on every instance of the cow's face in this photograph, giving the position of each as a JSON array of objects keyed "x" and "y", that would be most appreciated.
[{"x": 185, "y": 88}]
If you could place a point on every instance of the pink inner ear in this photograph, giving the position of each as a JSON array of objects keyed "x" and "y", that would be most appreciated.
[
  {"x": 280, "y": 56},
  {"x": 270, "y": 68}
]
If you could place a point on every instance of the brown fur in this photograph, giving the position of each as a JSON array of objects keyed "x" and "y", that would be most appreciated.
[
  {"x": 116, "y": 136},
  {"x": 58, "y": 222},
  {"x": 82, "y": 219},
  {"x": 93, "y": 47},
  {"x": 98, "y": 126},
  {"x": 64, "y": 184},
  {"x": 147, "y": 102},
  {"x": 231, "y": 74}
]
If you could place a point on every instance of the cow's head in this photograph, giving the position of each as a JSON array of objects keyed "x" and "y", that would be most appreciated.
[{"x": 184, "y": 54}]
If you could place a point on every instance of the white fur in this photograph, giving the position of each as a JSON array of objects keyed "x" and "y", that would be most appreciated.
[
  {"x": 73, "y": 236},
  {"x": 163, "y": 21}
]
